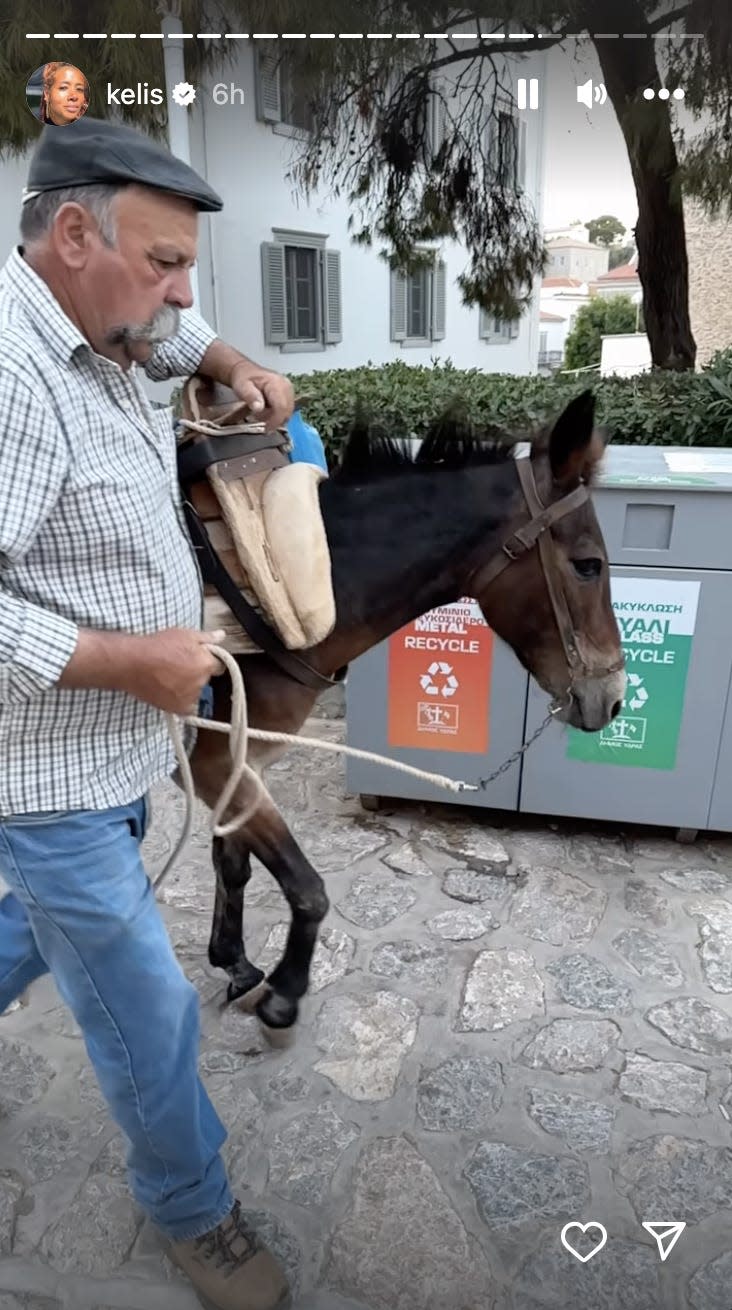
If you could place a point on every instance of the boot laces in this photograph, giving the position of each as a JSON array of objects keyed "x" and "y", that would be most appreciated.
[{"x": 231, "y": 1244}]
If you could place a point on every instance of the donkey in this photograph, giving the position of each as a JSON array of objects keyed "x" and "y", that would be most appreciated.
[{"x": 407, "y": 534}]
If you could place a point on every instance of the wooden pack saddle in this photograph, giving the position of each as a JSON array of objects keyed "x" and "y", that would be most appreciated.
[{"x": 255, "y": 522}]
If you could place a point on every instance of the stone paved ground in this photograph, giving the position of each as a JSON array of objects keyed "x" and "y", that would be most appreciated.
[{"x": 508, "y": 1029}]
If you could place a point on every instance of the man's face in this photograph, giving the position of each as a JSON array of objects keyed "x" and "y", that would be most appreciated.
[{"x": 130, "y": 295}]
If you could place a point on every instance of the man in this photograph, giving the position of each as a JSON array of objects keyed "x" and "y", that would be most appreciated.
[{"x": 100, "y": 617}]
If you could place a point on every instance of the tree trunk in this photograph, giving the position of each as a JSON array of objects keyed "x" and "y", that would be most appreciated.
[{"x": 628, "y": 67}]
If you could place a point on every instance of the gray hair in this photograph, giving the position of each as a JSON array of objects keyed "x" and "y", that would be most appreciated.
[{"x": 37, "y": 214}]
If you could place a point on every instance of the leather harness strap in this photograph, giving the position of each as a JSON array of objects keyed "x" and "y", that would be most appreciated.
[
  {"x": 535, "y": 533},
  {"x": 213, "y": 571},
  {"x": 195, "y": 456}
]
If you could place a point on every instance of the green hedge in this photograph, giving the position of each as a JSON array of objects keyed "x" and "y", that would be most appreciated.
[{"x": 652, "y": 409}]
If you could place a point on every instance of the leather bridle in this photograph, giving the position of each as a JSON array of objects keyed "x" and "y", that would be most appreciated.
[{"x": 535, "y": 533}]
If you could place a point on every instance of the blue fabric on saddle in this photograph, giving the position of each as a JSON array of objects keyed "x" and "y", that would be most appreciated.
[{"x": 307, "y": 446}]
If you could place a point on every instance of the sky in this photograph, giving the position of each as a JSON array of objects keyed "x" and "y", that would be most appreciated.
[{"x": 586, "y": 171}]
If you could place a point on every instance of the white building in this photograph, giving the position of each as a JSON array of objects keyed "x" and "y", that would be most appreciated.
[
  {"x": 553, "y": 332},
  {"x": 560, "y": 299},
  {"x": 572, "y": 257},
  {"x": 574, "y": 231},
  {"x": 281, "y": 279},
  {"x": 625, "y": 355}
]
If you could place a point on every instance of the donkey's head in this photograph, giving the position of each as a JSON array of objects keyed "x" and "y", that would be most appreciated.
[{"x": 548, "y": 592}]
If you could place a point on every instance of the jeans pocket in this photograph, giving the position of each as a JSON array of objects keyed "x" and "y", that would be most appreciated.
[{"x": 146, "y": 815}]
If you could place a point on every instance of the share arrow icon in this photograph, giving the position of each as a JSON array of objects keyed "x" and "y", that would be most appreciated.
[{"x": 666, "y": 1235}]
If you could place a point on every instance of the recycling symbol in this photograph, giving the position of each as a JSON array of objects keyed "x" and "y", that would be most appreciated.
[
  {"x": 439, "y": 680},
  {"x": 636, "y": 695}
]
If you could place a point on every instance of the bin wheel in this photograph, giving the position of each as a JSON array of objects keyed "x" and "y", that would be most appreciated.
[
  {"x": 687, "y": 836},
  {"x": 370, "y": 802}
]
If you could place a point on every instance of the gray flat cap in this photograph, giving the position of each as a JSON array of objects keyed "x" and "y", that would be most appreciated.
[{"x": 92, "y": 151}]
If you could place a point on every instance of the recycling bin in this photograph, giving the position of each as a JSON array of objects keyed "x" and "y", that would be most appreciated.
[
  {"x": 665, "y": 515},
  {"x": 667, "y": 758},
  {"x": 443, "y": 694}
]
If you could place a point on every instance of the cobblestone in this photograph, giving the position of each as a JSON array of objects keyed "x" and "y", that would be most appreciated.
[{"x": 505, "y": 1031}]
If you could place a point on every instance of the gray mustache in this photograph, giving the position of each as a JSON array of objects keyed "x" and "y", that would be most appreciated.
[{"x": 162, "y": 325}]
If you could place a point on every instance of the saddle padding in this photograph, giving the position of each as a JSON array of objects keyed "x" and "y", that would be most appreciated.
[{"x": 277, "y": 528}]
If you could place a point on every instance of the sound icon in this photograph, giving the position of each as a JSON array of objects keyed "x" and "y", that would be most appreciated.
[{"x": 586, "y": 94}]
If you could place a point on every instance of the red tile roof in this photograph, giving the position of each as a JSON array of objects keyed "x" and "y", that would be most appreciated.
[
  {"x": 550, "y": 318},
  {"x": 624, "y": 273},
  {"x": 562, "y": 282}
]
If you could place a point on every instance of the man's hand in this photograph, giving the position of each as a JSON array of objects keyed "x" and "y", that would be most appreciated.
[
  {"x": 269, "y": 395},
  {"x": 167, "y": 669}
]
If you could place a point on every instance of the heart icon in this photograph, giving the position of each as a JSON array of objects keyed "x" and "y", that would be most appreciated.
[{"x": 583, "y": 1228}]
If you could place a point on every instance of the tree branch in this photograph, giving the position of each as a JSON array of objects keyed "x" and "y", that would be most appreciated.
[
  {"x": 666, "y": 20},
  {"x": 482, "y": 51}
]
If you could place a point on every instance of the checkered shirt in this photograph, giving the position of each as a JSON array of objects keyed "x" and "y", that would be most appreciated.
[{"x": 92, "y": 535}]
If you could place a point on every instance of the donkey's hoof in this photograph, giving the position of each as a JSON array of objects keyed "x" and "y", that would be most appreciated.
[
  {"x": 277, "y": 1016},
  {"x": 247, "y": 987},
  {"x": 280, "y": 1039}
]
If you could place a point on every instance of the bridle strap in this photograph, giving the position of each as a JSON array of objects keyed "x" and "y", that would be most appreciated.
[
  {"x": 534, "y": 533},
  {"x": 525, "y": 538}
]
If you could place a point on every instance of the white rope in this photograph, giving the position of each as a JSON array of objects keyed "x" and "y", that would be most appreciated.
[{"x": 239, "y": 734}]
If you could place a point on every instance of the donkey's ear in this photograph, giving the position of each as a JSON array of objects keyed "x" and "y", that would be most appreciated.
[{"x": 575, "y": 444}]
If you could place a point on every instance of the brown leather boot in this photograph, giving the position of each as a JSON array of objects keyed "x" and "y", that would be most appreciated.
[{"x": 231, "y": 1269}]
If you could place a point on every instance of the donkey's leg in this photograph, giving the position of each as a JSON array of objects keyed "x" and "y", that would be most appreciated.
[
  {"x": 272, "y": 842},
  {"x": 231, "y": 858}
]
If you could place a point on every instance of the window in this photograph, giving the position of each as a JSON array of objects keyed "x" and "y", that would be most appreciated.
[
  {"x": 496, "y": 331},
  {"x": 418, "y": 305},
  {"x": 508, "y": 133},
  {"x": 436, "y": 112},
  {"x": 543, "y": 337},
  {"x": 301, "y": 289},
  {"x": 296, "y": 111},
  {"x": 280, "y": 99},
  {"x": 301, "y": 293},
  {"x": 506, "y": 149}
]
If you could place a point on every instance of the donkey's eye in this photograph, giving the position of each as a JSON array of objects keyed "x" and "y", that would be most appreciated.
[{"x": 587, "y": 568}]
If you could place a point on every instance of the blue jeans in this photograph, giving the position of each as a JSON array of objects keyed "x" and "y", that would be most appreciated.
[{"x": 82, "y": 907}]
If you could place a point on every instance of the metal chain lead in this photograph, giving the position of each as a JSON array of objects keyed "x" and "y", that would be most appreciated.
[{"x": 512, "y": 759}]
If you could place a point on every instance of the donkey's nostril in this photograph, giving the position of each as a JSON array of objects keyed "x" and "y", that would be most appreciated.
[{"x": 616, "y": 709}]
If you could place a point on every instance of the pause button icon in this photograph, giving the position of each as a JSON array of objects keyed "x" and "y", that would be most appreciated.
[{"x": 532, "y": 84}]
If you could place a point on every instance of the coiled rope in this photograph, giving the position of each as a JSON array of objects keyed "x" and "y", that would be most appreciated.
[{"x": 239, "y": 734}]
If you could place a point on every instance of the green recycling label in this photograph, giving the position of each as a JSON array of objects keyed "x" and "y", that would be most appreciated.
[{"x": 656, "y": 620}]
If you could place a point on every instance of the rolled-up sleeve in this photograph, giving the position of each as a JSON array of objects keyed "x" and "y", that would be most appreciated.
[
  {"x": 35, "y": 647},
  {"x": 180, "y": 356},
  {"x": 36, "y": 644}
]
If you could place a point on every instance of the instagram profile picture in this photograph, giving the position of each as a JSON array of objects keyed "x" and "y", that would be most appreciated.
[{"x": 57, "y": 93}]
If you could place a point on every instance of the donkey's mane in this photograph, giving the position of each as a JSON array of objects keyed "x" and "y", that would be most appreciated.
[{"x": 450, "y": 442}]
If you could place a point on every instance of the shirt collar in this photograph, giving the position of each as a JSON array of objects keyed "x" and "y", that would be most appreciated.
[{"x": 62, "y": 337}]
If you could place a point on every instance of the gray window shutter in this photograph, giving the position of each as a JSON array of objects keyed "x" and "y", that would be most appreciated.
[
  {"x": 484, "y": 322},
  {"x": 439, "y": 299},
  {"x": 436, "y": 122},
  {"x": 273, "y": 293},
  {"x": 267, "y": 85},
  {"x": 398, "y": 306},
  {"x": 514, "y": 329},
  {"x": 332, "y": 298},
  {"x": 521, "y": 170}
]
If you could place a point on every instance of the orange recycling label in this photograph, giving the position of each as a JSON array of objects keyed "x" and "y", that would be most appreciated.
[{"x": 439, "y": 680}]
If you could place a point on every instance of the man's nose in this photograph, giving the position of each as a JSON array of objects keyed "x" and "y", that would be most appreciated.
[{"x": 180, "y": 292}]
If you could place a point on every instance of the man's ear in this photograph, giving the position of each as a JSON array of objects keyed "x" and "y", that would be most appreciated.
[{"x": 70, "y": 234}]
